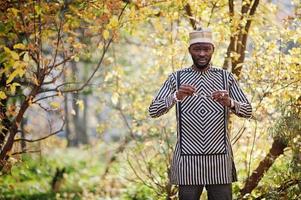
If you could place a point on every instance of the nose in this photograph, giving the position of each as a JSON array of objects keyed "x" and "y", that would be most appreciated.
[{"x": 202, "y": 53}]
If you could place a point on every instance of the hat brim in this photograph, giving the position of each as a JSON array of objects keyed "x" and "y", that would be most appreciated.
[{"x": 200, "y": 40}]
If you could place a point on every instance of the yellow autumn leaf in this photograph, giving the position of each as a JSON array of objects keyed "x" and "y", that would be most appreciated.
[
  {"x": 2, "y": 95},
  {"x": 55, "y": 105},
  {"x": 13, "y": 87},
  {"x": 35, "y": 80},
  {"x": 19, "y": 46},
  {"x": 13, "y": 54},
  {"x": 115, "y": 98},
  {"x": 15, "y": 11},
  {"x": 132, "y": 12},
  {"x": 158, "y": 26},
  {"x": 105, "y": 34},
  {"x": 80, "y": 103},
  {"x": 78, "y": 45},
  {"x": 26, "y": 57},
  {"x": 114, "y": 22},
  {"x": 19, "y": 71},
  {"x": 11, "y": 76},
  {"x": 76, "y": 58}
]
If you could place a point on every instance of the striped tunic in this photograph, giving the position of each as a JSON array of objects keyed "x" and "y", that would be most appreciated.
[{"x": 203, "y": 153}]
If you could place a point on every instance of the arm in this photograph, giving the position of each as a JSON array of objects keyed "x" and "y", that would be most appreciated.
[
  {"x": 164, "y": 100},
  {"x": 242, "y": 106}
]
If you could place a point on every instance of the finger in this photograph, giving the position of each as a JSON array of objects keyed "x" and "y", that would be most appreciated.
[
  {"x": 185, "y": 92},
  {"x": 220, "y": 94},
  {"x": 187, "y": 88}
]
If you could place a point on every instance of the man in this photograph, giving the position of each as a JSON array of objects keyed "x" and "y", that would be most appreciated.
[{"x": 203, "y": 95}]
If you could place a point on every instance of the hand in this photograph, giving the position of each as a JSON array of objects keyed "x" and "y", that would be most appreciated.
[
  {"x": 184, "y": 91},
  {"x": 222, "y": 96}
]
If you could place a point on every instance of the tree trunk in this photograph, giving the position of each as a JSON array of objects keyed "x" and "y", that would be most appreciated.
[
  {"x": 238, "y": 39},
  {"x": 79, "y": 123},
  {"x": 23, "y": 143},
  {"x": 75, "y": 120},
  {"x": 276, "y": 150},
  {"x": 85, "y": 121},
  {"x": 69, "y": 136}
]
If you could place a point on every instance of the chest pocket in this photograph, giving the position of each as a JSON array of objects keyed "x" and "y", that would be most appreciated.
[{"x": 202, "y": 124}]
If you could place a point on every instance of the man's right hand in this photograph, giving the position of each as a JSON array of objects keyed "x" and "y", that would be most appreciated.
[{"x": 184, "y": 91}]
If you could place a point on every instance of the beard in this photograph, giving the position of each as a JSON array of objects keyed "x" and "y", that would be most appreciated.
[{"x": 201, "y": 65}]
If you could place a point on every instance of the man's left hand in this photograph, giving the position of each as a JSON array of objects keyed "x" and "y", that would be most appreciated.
[{"x": 222, "y": 96}]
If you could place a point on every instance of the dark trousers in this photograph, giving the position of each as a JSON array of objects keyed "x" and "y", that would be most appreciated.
[{"x": 215, "y": 192}]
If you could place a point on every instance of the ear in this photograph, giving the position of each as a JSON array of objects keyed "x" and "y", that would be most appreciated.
[{"x": 213, "y": 48}]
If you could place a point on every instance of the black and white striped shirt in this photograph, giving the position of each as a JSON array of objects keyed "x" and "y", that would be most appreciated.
[{"x": 203, "y": 153}]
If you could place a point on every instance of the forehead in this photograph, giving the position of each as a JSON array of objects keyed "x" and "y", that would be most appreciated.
[{"x": 201, "y": 45}]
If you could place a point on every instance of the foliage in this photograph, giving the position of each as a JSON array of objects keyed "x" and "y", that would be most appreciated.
[
  {"x": 136, "y": 53},
  {"x": 31, "y": 178},
  {"x": 38, "y": 39},
  {"x": 139, "y": 192}
]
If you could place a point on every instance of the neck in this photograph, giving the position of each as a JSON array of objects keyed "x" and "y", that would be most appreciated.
[{"x": 201, "y": 69}]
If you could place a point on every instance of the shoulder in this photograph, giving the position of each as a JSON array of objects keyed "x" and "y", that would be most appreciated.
[
  {"x": 183, "y": 70},
  {"x": 219, "y": 70},
  {"x": 186, "y": 69}
]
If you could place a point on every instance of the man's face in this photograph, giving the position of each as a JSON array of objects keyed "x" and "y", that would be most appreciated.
[{"x": 201, "y": 54}]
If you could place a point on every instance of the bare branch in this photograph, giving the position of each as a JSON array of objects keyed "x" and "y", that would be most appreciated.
[
  {"x": 136, "y": 173},
  {"x": 276, "y": 150},
  {"x": 252, "y": 149},
  {"x": 126, "y": 121},
  {"x": 62, "y": 62},
  {"x": 282, "y": 188},
  {"x": 231, "y": 9},
  {"x": 42, "y": 138},
  {"x": 231, "y": 47},
  {"x": 212, "y": 11},
  {"x": 46, "y": 97},
  {"x": 189, "y": 13},
  {"x": 45, "y": 109},
  {"x": 57, "y": 43},
  {"x": 29, "y": 151}
]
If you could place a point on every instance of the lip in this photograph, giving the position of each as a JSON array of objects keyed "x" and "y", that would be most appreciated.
[{"x": 202, "y": 61}]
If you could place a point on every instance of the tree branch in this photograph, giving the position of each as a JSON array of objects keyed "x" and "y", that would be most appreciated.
[
  {"x": 187, "y": 8},
  {"x": 42, "y": 138},
  {"x": 282, "y": 188},
  {"x": 243, "y": 36},
  {"x": 231, "y": 46},
  {"x": 211, "y": 13},
  {"x": 57, "y": 42},
  {"x": 29, "y": 151},
  {"x": 276, "y": 150}
]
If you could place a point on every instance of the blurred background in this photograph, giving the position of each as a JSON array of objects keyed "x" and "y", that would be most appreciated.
[{"x": 77, "y": 78}]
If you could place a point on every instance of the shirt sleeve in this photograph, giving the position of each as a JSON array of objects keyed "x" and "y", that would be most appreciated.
[
  {"x": 242, "y": 106},
  {"x": 164, "y": 99}
]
